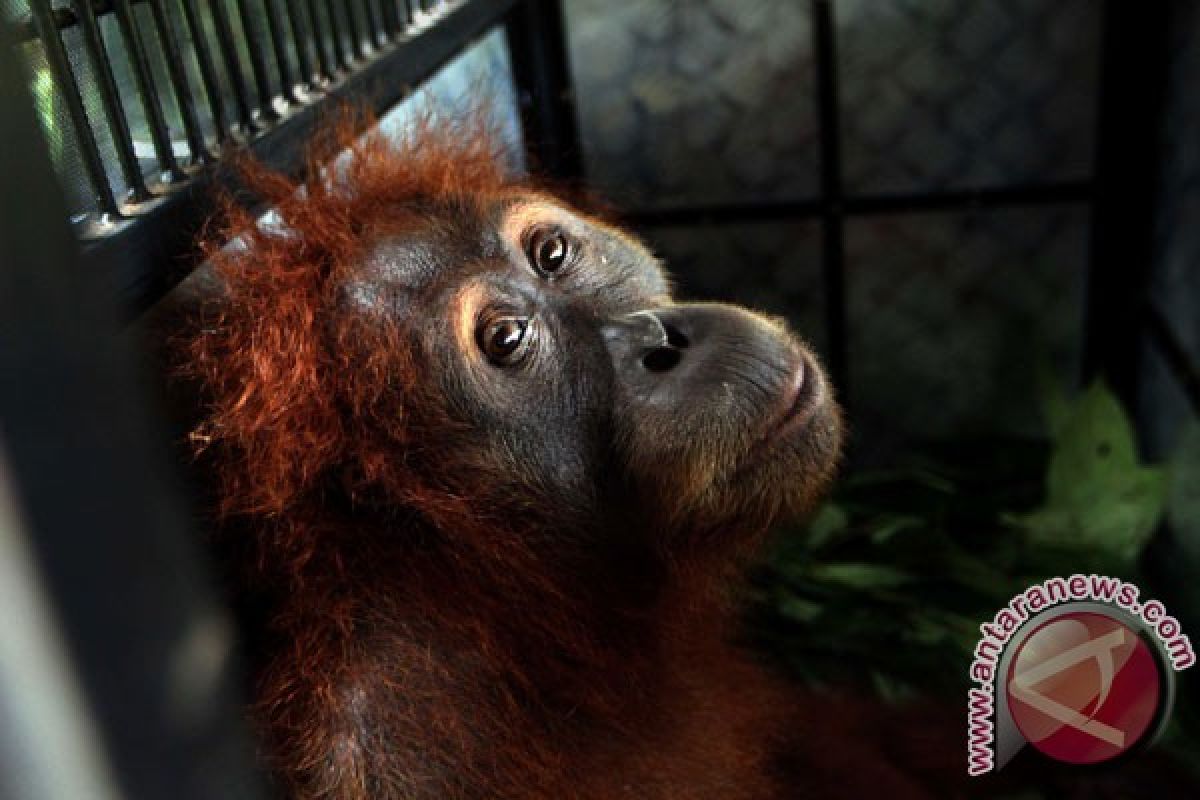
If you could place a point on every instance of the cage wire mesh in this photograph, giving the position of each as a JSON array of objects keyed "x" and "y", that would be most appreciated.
[
  {"x": 939, "y": 94},
  {"x": 186, "y": 75},
  {"x": 952, "y": 315},
  {"x": 691, "y": 105},
  {"x": 1176, "y": 283},
  {"x": 707, "y": 101}
]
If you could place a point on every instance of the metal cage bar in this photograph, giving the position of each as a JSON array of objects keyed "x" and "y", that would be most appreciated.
[
  {"x": 233, "y": 63},
  {"x": 371, "y": 24},
  {"x": 341, "y": 56},
  {"x": 356, "y": 36},
  {"x": 179, "y": 82},
  {"x": 143, "y": 76},
  {"x": 208, "y": 71},
  {"x": 300, "y": 40},
  {"x": 146, "y": 643},
  {"x": 391, "y": 19},
  {"x": 258, "y": 62},
  {"x": 1133, "y": 75},
  {"x": 545, "y": 92},
  {"x": 60, "y": 69},
  {"x": 283, "y": 63},
  {"x": 145, "y": 258},
  {"x": 325, "y": 59},
  {"x": 833, "y": 266},
  {"x": 110, "y": 100}
]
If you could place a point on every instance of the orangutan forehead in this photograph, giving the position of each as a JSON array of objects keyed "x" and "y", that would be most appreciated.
[
  {"x": 527, "y": 211},
  {"x": 416, "y": 252}
]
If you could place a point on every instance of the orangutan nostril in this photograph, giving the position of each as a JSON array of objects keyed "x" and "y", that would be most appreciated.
[
  {"x": 675, "y": 337},
  {"x": 661, "y": 359}
]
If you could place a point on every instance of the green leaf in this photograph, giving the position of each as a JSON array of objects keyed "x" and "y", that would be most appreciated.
[
  {"x": 829, "y": 521},
  {"x": 889, "y": 525},
  {"x": 1098, "y": 497},
  {"x": 860, "y": 575},
  {"x": 798, "y": 609}
]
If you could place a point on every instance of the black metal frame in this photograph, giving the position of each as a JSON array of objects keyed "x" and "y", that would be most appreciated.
[
  {"x": 1133, "y": 81},
  {"x": 1122, "y": 196},
  {"x": 146, "y": 639},
  {"x": 144, "y": 243},
  {"x": 144, "y": 247},
  {"x": 88, "y": 463}
]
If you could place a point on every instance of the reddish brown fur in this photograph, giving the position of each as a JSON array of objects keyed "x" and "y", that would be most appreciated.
[{"x": 416, "y": 642}]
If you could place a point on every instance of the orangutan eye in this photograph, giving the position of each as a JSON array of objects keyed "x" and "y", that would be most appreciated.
[
  {"x": 548, "y": 250},
  {"x": 504, "y": 340}
]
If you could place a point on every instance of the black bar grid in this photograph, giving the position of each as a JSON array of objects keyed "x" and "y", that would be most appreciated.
[
  {"x": 153, "y": 252},
  {"x": 258, "y": 62},
  {"x": 179, "y": 83},
  {"x": 541, "y": 73},
  {"x": 339, "y": 43},
  {"x": 283, "y": 64},
  {"x": 114, "y": 113},
  {"x": 320, "y": 42},
  {"x": 233, "y": 63},
  {"x": 371, "y": 23},
  {"x": 391, "y": 19},
  {"x": 832, "y": 211},
  {"x": 208, "y": 72},
  {"x": 160, "y": 135},
  {"x": 300, "y": 39}
]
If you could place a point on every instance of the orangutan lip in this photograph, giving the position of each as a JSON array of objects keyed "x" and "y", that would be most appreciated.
[{"x": 801, "y": 399}]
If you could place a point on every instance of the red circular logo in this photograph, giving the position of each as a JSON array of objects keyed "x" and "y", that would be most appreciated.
[{"x": 1083, "y": 688}]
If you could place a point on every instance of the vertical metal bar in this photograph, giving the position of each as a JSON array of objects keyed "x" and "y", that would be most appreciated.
[
  {"x": 833, "y": 235},
  {"x": 299, "y": 37},
  {"x": 159, "y": 135},
  {"x": 208, "y": 72},
  {"x": 542, "y": 74},
  {"x": 371, "y": 23},
  {"x": 339, "y": 43},
  {"x": 179, "y": 83},
  {"x": 122, "y": 583},
  {"x": 233, "y": 63},
  {"x": 1133, "y": 77},
  {"x": 356, "y": 38},
  {"x": 258, "y": 64},
  {"x": 327, "y": 62},
  {"x": 275, "y": 26},
  {"x": 391, "y": 20},
  {"x": 118, "y": 126},
  {"x": 60, "y": 68}
]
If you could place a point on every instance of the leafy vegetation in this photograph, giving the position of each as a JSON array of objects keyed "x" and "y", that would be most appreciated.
[{"x": 889, "y": 582}]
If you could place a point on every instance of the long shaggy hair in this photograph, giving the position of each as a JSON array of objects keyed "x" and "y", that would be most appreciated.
[
  {"x": 288, "y": 396},
  {"x": 417, "y": 638}
]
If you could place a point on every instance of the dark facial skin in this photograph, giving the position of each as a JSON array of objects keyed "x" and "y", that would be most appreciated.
[
  {"x": 484, "y": 491},
  {"x": 562, "y": 355}
]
